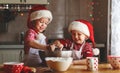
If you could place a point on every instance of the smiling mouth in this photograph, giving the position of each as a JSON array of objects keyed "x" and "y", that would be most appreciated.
[{"x": 41, "y": 28}]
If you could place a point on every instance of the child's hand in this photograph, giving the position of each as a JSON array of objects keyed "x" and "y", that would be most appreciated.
[
  {"x": 58, "y": 44},
  {"x": 52, "y": 47}
]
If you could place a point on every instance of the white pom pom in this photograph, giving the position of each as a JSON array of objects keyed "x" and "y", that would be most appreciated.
[{"x": 96, "y": 51}]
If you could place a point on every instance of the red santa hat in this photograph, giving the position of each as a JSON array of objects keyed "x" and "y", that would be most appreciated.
[
  {"x": 84, "y": 27},
  {"x": 37, "y": 12}
]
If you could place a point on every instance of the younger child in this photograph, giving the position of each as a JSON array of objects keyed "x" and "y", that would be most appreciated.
[{"x": 80, "y": 30}]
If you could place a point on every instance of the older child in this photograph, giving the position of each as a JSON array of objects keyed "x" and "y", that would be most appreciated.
[
  {"x": 38, "y": 19},
  {"x": 80, "y": 30}
]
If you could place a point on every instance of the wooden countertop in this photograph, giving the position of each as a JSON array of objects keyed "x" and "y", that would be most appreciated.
[{"x": 103, "y": 68}]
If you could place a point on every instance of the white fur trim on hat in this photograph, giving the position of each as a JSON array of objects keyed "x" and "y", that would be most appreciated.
[
  {"x": 76, "y": 25},
  {"x": 41, "y": 13}
]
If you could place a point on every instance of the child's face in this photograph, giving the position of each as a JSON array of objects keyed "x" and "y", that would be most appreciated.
[
  {"x": 78, "y": 37},
  {"x": 41, "y": 24}
]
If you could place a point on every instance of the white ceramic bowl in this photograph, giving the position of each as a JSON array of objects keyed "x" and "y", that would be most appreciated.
[
  {"x": 65, "y": 53},
  {"x": 13, "y": 67},
  {"x": 59, "y": 63},
  {"x": 60, "y": 54},
  {"x": 114, "y": 61}
]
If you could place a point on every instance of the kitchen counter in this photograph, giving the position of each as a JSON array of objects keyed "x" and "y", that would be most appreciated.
[
  {"x": 103, "y": 68},
  {"x": 10, "y": 45},
  {"x": 100, "y": 45},
  {"x": 19, "y": 46}
]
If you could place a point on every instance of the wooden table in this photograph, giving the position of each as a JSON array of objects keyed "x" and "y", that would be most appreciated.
[{"x": 103, "y": 68}]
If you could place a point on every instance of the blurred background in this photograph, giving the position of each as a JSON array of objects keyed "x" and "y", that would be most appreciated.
[{"x": 13, "y": 20}]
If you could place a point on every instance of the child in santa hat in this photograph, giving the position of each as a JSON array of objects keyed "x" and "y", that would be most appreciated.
[
  {"x": 80, "y": 30},
  {"x": 38, "y": 19}
]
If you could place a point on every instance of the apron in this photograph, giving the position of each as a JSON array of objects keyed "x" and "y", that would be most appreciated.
[
  {"x": 76, "y": 54},
  {"x": 33, "y": 58}
]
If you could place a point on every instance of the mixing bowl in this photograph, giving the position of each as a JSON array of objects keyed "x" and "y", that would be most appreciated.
[
  {"x": 13, "y": 67},
  {"x": 114, "y": 61},
  {"x": 65, "y": 53},
  {"x": 59, "y": 53},
  {"x": 59, "y": 63}
]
